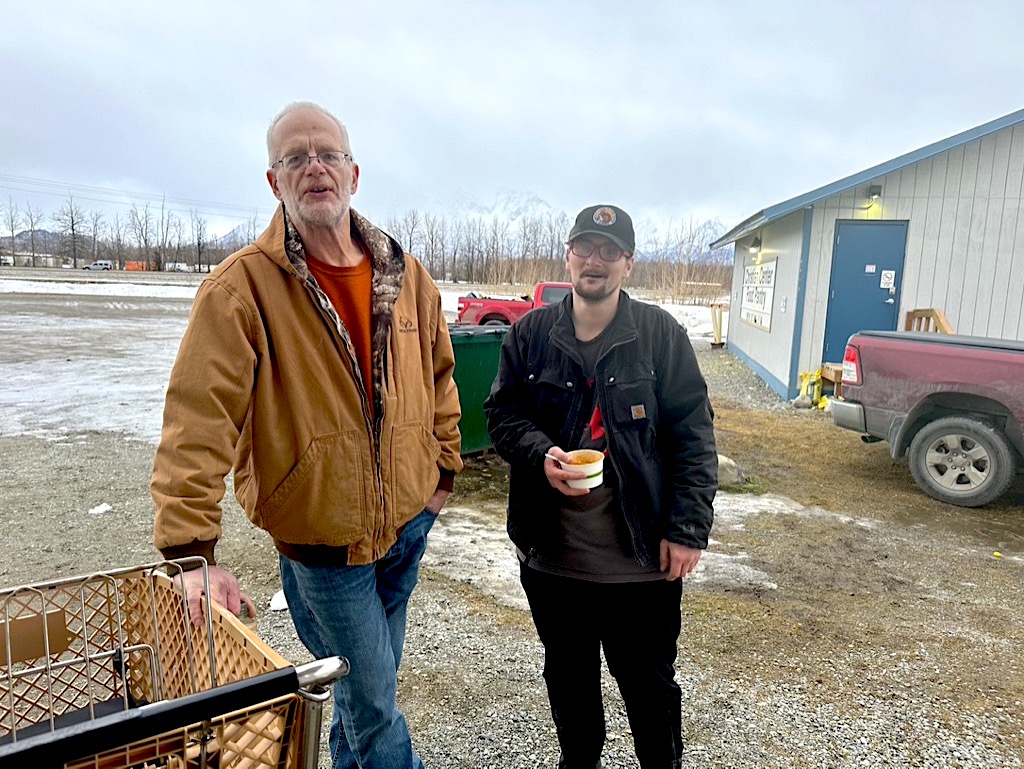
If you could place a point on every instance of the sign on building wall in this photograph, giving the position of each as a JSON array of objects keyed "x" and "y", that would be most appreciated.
[{"x": 758, "y": 294}]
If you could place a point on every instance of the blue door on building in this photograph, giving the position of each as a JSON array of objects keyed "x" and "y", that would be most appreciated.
[{"x": 864, "y": 292}]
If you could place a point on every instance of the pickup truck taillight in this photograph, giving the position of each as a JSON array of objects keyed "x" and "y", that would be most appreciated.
[{"x": 851, "y": 366}]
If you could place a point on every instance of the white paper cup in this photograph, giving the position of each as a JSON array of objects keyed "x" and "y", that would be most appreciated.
[{"x": 586, "y": 461}]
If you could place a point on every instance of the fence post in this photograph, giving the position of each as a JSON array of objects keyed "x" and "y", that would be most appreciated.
[{"x": 716, "y": 325}]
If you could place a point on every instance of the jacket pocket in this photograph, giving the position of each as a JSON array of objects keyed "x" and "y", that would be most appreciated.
[
  {"x": 634, "y": 406},
  {"x": 552, "y": 396},
  {"x": 323, "y": 499},
  {"x": 413, "y": 465}
]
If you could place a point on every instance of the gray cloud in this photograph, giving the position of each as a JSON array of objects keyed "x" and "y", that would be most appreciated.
[{"x": 671, "y": 108}]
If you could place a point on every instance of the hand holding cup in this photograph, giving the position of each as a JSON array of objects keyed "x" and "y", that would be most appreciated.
[{"x": 574, "y": 472}]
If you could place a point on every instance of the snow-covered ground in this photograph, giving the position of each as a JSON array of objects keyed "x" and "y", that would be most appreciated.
[{"x": 88, "y": 288}]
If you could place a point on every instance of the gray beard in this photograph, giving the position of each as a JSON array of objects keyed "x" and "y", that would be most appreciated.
[{"x": 320, "y": 217}]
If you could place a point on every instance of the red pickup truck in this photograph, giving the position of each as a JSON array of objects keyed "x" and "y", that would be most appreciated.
[
  {"x": 953, "y": 404},
  {"x": 487, "y": 311}
]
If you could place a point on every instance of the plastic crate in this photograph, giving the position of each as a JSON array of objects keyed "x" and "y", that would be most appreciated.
[{"x": 76, "y": 651}]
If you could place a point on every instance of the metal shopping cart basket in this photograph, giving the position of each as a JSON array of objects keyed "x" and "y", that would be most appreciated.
[{"x": 106, "y": 671}]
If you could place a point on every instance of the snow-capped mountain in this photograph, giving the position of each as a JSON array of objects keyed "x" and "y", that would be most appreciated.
[{"x": 510, "y": 205}]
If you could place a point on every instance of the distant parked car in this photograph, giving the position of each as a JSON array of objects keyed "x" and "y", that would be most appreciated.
[
  {"x": 6, "y": 261},
  {"x": 100, "y": 264}
]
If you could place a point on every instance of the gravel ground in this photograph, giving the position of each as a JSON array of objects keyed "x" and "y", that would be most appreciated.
[{"x": 877, "y": 631}]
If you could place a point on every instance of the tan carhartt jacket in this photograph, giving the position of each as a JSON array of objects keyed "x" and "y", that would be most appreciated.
[{"x": 266, "y": 382}]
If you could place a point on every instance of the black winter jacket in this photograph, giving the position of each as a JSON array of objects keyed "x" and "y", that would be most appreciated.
[{"x": 656, "y": 412}]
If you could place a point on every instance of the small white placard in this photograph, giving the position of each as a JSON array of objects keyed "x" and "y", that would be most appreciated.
[
  {"x": 869, "y": 269},
  {"x": 888, "y": 279}
]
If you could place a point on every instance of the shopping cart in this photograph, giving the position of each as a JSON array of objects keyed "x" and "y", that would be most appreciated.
[{"x": 106, "y": 671}]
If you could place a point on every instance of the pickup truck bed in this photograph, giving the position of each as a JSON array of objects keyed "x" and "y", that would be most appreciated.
[{"x": 953, "y": 404}]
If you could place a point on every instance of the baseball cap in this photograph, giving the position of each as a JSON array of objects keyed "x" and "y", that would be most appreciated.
[{"x": 610, "y": 221}]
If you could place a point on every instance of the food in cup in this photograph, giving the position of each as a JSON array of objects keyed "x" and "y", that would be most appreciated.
[
  {"x": 588, "y": 461},
  {"x": 584, "y": 457}
]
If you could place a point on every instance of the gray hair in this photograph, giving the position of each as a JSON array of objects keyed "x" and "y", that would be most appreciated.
[{"x": 287, "y": 111}]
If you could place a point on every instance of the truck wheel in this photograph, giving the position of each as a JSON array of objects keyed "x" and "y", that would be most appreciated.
[
  {"x": 495, "y": 322},
  {"x": 962, "y": 460}
]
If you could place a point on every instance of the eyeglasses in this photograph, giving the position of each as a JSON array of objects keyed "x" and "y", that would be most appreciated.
[
  {"x": 299, "y": 162},
  {"x": 584, "y": 249}
]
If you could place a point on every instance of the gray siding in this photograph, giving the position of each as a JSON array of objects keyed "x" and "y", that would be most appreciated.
[
  {"x": 965, "y": 241},
  {"x": 773, "y": 350}
]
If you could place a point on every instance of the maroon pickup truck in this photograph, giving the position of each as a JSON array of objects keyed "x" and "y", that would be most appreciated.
[{"x": 953, "y": 404}]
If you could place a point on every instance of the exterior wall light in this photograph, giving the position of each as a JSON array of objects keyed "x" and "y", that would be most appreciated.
[
  {"x": 875, "y": 191},
  {"x": 755, "y": 246}
]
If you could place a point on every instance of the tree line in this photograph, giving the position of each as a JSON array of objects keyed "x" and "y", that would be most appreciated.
[
  {"x": 673, "y": 264},
  {"x": 148, "y": 237}
]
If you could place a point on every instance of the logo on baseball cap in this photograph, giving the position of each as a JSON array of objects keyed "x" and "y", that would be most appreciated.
[{"x": 610, "y": 221}]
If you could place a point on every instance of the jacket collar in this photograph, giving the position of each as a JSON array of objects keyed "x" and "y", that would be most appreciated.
[
  {"x": 282, "y": 243},
  {"x": 622, "y": 328}
]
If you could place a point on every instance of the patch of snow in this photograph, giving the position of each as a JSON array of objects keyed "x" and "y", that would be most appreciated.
[{"x": 100, "y": 509}]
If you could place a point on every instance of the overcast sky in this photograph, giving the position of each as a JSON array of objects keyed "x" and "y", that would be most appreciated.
[{"x": 671, "y": 109}]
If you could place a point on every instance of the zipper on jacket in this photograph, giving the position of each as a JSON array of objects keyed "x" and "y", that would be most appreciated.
[
  {"x": 602, "y": 398},
  {"x": 377, "y": 428},
  {"x": 373, "y": 424},
  {"x": 325, "y": 306}
]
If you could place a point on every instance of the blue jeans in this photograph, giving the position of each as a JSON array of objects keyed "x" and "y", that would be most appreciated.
[{"x": 359, "y": 612}]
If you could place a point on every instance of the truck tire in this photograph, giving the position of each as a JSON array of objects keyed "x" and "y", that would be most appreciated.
[
  {"x": 962, "y": 460},
  {"x": 495, "y": 322}
]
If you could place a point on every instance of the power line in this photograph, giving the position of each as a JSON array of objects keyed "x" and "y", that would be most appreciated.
[{"x": 111, "y": 196}]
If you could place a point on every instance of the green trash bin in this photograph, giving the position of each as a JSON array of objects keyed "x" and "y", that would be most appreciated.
[{"x": 477, "y": 349}]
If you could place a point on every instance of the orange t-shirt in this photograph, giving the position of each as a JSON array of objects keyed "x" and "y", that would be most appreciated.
[{"x": 350, "y": 290}]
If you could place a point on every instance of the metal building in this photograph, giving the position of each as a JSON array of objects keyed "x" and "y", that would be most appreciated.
[{"x": 939, "y": 228}]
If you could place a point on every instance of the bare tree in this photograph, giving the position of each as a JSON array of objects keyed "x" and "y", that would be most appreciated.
[
  {"x": 556, "y": 229},
  {"x": 475, "y": 237},
  {"x": 71, "y": 224},
  {"x": 96, "y": 227},
  {"x": 180, "y": 244},
  {"x": 441, "y": 240},
  {"x": 694, "y": 281},
  {"x": 118, "y": 240},
  {"x": 252, "y": 228},
  {"x": 33, "y": 218},
  {"x": 529, "y": 237},
  {"x": 198, "y": 238},
  {"x": 431, "y": 246},
  {"x": 140, "y": 224},
  {"x": 393, "y": 227},
  {"x": 164, "y": 234},
  {"x": 12, "y": 220},
  {"x": 409, "y": 228},
  {"x": 496, "y": 267},
  {"x": 457, "y": 238}
]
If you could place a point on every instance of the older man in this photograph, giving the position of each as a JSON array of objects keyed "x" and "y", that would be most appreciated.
[
  {"x": 601, "y": 567},
  {"x": 317, "y": 364}
]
